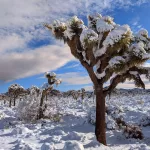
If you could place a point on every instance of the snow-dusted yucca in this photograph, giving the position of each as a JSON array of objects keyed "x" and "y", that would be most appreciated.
[
  {"x": 14, "y": 91},
  {"x": 46, "y": 88},
  {"x": 108, "y": 51}
]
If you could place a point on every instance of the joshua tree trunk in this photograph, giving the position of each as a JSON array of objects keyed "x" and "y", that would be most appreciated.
[
  {"x": 100, "y": 130},
  {"x": 46, "y": 97},
  {"x": 10, "y": 102},
  {"x": 14, "y": 101},
  {"x": 40, "y": 115}
]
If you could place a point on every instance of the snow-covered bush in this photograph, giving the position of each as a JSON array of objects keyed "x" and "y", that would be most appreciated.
[
  {"x": 132, "y": 131},
  {"x": 92, "y": 115},
  {"x": 34, "y": 107},
  {"x": 28, "y": 108}
]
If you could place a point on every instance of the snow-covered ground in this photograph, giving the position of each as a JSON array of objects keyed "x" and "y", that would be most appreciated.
[{"x": 73, "y": 131}]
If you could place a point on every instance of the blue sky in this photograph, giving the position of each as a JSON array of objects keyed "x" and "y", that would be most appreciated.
[{"x": 27, "y": 49}]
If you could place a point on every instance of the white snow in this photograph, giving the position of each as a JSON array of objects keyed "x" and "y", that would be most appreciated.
[
  {"x": 100, "y": 75},
  {"x": 98, "y": 64},
  {"x": 103, "y": 26},
  {"x": 56, "y": 24},
  {"x": 142, "y": 35},
  {"x": 88, "y": 35},
  {"x": 73, "y": 146},
  {"x": 99, "y": 52},
  {"x": 138, "y": 49},
  {"x": 48, "y": 146},
  {"x": 116, "y": 60},
  {"x": 116, "y": 35},
  {"x": 50, "y": 73},
  {"x": 68, "y": 32},
  {"x": 75, "y": 129}
]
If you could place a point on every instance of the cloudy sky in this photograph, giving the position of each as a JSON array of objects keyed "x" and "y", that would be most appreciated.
[{"x": 27, "y": 49}]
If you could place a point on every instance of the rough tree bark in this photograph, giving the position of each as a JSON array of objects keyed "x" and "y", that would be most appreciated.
[
  {"x": 40, "y": 114},
  {"x": 14, "y": 101},
  {"x": 10, "y": 102},
  {"x": 100, "y": 130},
  {"x": 41, "y": 110}
]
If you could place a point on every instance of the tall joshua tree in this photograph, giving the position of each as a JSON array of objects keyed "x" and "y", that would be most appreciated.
[
  {"x": 109, "y": 52},
  {"x": 47, "y": 88}
]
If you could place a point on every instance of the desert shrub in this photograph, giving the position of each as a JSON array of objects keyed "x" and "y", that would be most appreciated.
[
  {"x": 28, "y": 108},
  {"x": 120, "y": 122},
  {"x": 132, "y": 131},
  {"x": 92, "y": 115}
]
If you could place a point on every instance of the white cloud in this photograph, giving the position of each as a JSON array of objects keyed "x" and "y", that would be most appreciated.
[
  {"x": 75, "y": 78},
  {"x": 12, "y": 42},
  {"x": 73, "y": 66},
  {"x": 88, "y": 88},
  {"x": 32, "y": 62}
]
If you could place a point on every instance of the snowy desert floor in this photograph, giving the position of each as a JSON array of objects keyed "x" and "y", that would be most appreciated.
[{"x": 73, "y": 131}]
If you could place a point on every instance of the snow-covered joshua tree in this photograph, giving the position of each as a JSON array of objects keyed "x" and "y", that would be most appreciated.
[
  {"x": 109, "y": 52},
  {"x": 46, "y": 88},
  {"x": 14, "y": 91}
]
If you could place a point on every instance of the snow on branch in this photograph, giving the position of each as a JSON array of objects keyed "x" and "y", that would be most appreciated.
[
  {"x": 15, "y": 87},
  {"x": 117, "y": 34},
  {"x": 103, "y": 26},
  {"x": 100, "y": 75},
  {"x": 142, "y": 35},
  {"x": 87, "y": 37},
  {"x": 138, "y": 50},
  {"x": 84, "y": 57},
  {"x": 71, "y": 26},
  {"x": 116, "y": 60},
  {"x": 99, "y": 52}
]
